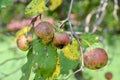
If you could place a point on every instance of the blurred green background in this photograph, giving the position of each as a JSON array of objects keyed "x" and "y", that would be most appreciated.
[{"x": 12, "y": 18}]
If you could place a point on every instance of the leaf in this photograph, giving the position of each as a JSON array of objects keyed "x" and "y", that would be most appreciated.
[
  {"x": 35, "y": 7},
  {"x": 57, "y": 69},
  {"x": 26, "y": 69},
  {"x": 46, "y": 58},
  {"x": 71, "y": 50},
  {"x": 5, "y": 3},
  {"x": 37, "y": 76},
  {"x": 54, "y": 4},
  {"x": 67, "y": 64},
  {"x": 24, "y": 30},
  {"x": 95, "y": 45},
  {"x": 88, "y": 39}
]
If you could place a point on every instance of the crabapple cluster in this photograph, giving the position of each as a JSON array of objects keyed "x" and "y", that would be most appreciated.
[{"x": 93, "y": 59}]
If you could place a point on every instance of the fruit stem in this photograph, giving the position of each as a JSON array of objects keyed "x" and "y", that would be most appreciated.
[{"x": 86, "y": 42}]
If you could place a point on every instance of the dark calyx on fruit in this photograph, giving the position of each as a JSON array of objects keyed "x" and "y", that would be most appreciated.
[
  {"x": 60, "y": 40},
  {"x": 95, "y": 58},
  {"x": 45, "y": 31}
]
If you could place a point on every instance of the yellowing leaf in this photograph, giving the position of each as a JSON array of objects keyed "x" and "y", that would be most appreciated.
[
  {"x": 71, "y": 50},
  {"x": 54, "y": 4},
  {"x": 57, "y": 69},
  {"x": 22, "y": 31},
  {"x": 35, "y": 7}
]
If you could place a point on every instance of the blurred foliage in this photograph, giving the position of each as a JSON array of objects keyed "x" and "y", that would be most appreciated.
[
  {"x": 5, "y": 3},
  {"x": 80, "y": 9},
  {"x": 35, "y": 7}
]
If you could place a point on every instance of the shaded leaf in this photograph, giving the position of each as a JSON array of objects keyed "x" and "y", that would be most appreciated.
[
  {"x": 26, "y": 69},
  {"x": 46, "y": 58},
  {"x": 66, "y": 64}
]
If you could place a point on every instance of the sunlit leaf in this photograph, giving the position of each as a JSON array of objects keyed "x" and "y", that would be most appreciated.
[
  {"x": 57, "y": 69},
  {"x": 54, "y": 4},
  {"x": 24, "y": 30},
  {"x": 35, "y": 7},
  {"x": 71, "y": 51}
]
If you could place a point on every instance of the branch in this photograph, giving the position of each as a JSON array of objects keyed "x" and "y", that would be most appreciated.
[
  {"x": 100, "y": 14},
  {"x": 116, "y": 7},
  {"x": 88, "y": 19},
  {"x": 81, "y": 52},
  {"x": 73, "y": 34}
]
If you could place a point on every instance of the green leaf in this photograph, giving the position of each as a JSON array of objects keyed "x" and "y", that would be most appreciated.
[
  {"x": 35, "y": 7},
  {"x": 88, "y": 39},
  {"x": 26, "y": 69},
  {"x": 95, "y": 45},
  {"x": 46, "y": 58},
  {"x": 37, "y": 76},
  {"x": 5, "y": 3},
  {"x": 67, "y": 64}
]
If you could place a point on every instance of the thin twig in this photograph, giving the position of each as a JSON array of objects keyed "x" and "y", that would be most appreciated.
[
  {"x": 76, "y": 37},
  {"x": 100, "y": 14},
  {"x": 70, "y": 9},
  {"x": 46, "y": 2},
  {"x": 63, "y": 22},
  {"x": 68, "y": 16},
  {"x": 116, "y": 7},
  {"x": 81, "y": 51},
  {"x": 18, "y": 58},
  {"x": 73, "y": 34},
  {"x": 78, "y": 33}
]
